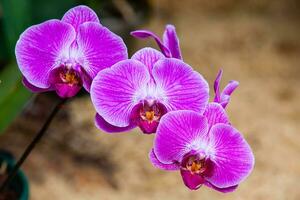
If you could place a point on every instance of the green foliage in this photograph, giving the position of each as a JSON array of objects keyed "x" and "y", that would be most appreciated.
[
  {"x": 14, "y": 20},
  {"x": 12, "y": 97}
]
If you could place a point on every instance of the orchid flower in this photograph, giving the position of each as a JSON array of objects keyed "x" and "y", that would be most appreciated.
[
  {"x": 170, "y": 44},
  {"x": 140, "y": 90},
  {"x": 64, "y": 55},
  {"x": 206, "y": 149},
  {"x": 223, "y": 97}
]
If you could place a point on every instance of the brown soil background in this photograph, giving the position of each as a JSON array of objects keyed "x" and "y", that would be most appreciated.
[{"x": 255, "y": 42}]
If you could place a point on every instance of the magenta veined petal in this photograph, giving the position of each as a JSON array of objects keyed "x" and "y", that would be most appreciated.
[
  {"x": 66, "y": 90},
  {"x": 230, "y": 87},
  {"x": 171, "y": 41},
  {"x": 217, "y": 86},
  {"x": 35, "y": 57},
  {"x": 86, "y": 79},
  {"x": 116, "y": 90},
  {"x": 32, "y": 88},
  {"x": 156, "y": 163},
  {"x": 223, "y": 97},
  {"x": 79, "y": 15},
  {"x": 146, "y": 34},
  {"x": 185, "y": 89},
  {"x": 170, "y": 44},
  {"x": 108, "y": 128},
  {"x": 178, "y": 133},
  {"x": 215, "y": 114},
  {"x": 223, "y": 190},
  {"x": 192, "y": 181},
  {"x": 232, "y": 159},
  {"x": 148, "y": 56},
  {"x": 99, "y": 48}
]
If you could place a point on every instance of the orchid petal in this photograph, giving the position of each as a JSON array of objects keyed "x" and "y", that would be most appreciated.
[
  {"x": 225, "y": 95},
  {"x": 223, "y": 190},
  {"x": 217, "y": 86},
  {"x": 232, "y": 159},
  {"x": 65, "y": 90},
  {"x": 116, "y": 90},
  {"x": 79, "y": 15},
  {"x": 148, "y": 56},
  {"x": 108, "y": 128},
  {"x": 86, "y": 79},
  {"x": 156, "y": 163},
  {"x": 192, "y": 181},
  {"x": 230, "y": 87},
  {"x": 215, "y": 113},
  {"x": 184, "y": 88},
  {"x": 171, "y": 41},
  {"x": 178, "y": 133},
  {"x": 41, "y": 48},
  {"x": 146, "y": 34},
  {"x": 99, "y": 48},
  {"x": 32, "y": 88}
]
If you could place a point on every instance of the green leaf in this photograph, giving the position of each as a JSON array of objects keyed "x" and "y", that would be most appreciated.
[
  {"x": 13, "y": 95},
  {"x": 16, "y": 18}
]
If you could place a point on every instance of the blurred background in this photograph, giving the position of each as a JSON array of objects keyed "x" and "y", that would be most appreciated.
[{"x": 256, "y": 42}]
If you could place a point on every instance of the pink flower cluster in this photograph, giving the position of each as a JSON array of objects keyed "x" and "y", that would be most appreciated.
[{"x": 153, "y": 90}]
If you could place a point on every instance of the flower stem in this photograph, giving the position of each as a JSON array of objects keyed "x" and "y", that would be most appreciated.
[{"x": 31, "y": 146}]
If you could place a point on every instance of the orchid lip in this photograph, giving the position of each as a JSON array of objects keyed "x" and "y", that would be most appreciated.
[
  {"x": 147, "y": 115},
  {"x": 194, "y": 163},
  {"x": 193, "y": 169},
  {"x": 66, "y": 80}
]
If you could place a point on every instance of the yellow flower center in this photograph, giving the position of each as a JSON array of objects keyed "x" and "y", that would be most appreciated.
[
  {"x": 195, "y": 165},
  {"x": 70, "y": 77},
  {"x": 149, "y": 115}
]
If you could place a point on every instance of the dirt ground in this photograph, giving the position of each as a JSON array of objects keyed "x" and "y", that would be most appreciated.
[{"x": 256, "y": 43}]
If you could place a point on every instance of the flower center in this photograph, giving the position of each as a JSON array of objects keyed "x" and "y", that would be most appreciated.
[
  {"x": 151, "y": 113},
  {"x": 67, "y": 81},
  {"x": 69, "y": 77},
  {"x": 147, "y": 114},
  {"x": 194, "y": 164}
]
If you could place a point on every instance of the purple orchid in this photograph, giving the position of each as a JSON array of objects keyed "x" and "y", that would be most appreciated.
[
  {"x": 140, "y": 90},
  {"x": 170, "y": 44},
  {"x": 205, "y": 148},
  {"x": 64, "y": 55},
  {"x": 223, "y": 97}
]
